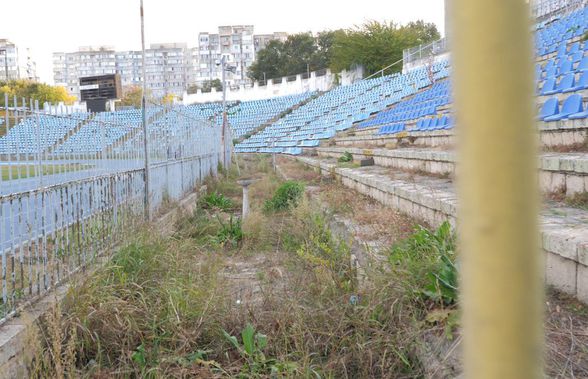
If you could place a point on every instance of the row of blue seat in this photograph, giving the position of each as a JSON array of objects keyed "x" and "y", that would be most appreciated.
[{"x": 572, "y": 108}]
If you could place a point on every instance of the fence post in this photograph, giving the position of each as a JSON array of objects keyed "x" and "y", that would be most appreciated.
[
  {"x": 501, "y": 284},
  {"x": 144, "y": 120}
]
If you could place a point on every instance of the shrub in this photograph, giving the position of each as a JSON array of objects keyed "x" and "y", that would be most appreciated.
[
  {"x": 230, "y": 233},
  {"x": 287, "y": 195},
  {"x": 217, "y": 200},
  {"x": 346, "y": 157},
  {"x": 427, "y": 258}
]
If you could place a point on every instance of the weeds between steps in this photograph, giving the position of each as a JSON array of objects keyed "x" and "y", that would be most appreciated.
[{"x": 174, "y": 307}]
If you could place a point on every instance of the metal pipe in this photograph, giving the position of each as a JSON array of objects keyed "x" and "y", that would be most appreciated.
[
  {"x": 144, "y": 120},
  {"x": 501, "y": 286}
]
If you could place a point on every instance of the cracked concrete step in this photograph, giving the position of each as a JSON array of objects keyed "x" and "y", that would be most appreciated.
[
  {"x": 564, "y": 230},
  {"x": 558, "y": 171}
]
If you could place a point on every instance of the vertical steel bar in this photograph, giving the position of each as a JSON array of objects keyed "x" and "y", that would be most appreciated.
[{"x": 144, "y": 120}]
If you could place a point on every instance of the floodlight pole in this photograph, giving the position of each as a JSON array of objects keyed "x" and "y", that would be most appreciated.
[{"x": 144, "y": 121}]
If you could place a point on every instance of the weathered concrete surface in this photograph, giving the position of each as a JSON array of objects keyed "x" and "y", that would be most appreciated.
[
  {"x": 567, "y": 172},
  {"x": 560, "y": 133},
  {"x": 564, "y": 230}
]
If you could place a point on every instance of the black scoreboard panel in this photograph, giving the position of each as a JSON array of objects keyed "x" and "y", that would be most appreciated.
[{"x": 103, "y": 87}]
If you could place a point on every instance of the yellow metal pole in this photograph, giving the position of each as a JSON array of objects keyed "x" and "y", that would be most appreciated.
[{"x": 497, "y": 185}]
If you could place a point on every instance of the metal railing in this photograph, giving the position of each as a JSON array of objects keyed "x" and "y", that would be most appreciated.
[
  {"x": 545, "y": 9},
  {"x": 73, "y": 186},
  {"x": 424, "y": 51}
]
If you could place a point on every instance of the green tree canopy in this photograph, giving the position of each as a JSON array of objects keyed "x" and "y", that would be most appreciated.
[
  {"x": 376, "y": 45},
  {"x": 373, "y": 45},
  {"x": 208, "y": 85},
  {"x": 299, "y": 53}
]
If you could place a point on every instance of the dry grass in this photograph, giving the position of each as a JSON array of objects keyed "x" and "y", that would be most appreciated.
[
  {"x": 160, "y": 307},
  {"x": 566, "y": 328},
  {"x": 577, "y": 200}
]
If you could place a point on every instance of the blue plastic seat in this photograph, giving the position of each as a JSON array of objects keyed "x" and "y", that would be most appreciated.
[
  {"x": 583, "y": 65},
  {"x": 565, "y": 66},
  {"x": 567, "y": 83},
  {"x": 549, "y": 87},
  {"x": 582, "y": 83},
  {"x": 572, "y": 105},
  {"x": 550, "y": 108}
]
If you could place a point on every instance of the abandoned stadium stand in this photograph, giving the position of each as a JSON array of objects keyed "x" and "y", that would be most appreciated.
[{"x": 412, "y": 140}]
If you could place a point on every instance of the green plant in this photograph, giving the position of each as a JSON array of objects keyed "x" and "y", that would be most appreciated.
[
  {"x": 217, "y": 200},
  {"x": 287, "y": 195},
  {"x": 230, "y": 233},
  {"x": 251, "y": 350},
  {"x": 346, "y": 157},
  {"x": 326, "y": 255},
  {"x": 585, "y": 37},
  {"x": 427, "y": 258}
]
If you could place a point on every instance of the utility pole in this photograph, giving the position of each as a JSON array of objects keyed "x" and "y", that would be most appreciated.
[
  {"x": 223, "y": 69},
  {"x": 144, "y": 120}
]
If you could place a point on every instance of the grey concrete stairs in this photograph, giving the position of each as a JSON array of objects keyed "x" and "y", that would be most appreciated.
[
  {"x": 564, "y": 230},
  {"x": 567, "y": 172}
]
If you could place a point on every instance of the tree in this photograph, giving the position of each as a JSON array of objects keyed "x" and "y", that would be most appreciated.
[
  {"x": 37, "y": 91},
  {"x": 168, "y": 99},
  {"x": 192, "y": 89},
  {"x": 269, "y": 62},
  {"x": 376, "y": 45},
  {"x": 132, "y": 96},
  {"x": 208, "y": 85},
  {"x": 298, "y": 54}
]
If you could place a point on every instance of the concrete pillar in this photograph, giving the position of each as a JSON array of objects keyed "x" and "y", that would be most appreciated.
[{"x": 245, "y": 183}]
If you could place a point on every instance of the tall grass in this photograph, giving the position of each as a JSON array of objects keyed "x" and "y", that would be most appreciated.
[{"x": 171, "y": 307}]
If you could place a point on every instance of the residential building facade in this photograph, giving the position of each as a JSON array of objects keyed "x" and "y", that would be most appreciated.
[
  {"x": 15, "y": 62},
  {"x": 171, "y": 68}
]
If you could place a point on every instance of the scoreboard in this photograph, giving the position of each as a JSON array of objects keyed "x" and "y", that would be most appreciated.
[{"x": 96, "y": 91}]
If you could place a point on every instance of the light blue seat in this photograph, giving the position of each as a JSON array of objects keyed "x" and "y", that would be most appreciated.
[
  {"x": 565, "y": 66},
  {"x": 550, "y": 108},
  {"x": 582, "y": 82},
  {"x": 583, "y": 65},
  {"x": 549, "y": 87},
  {"x": 571, "y": 105},
  {"x": 567, "y": 83}
]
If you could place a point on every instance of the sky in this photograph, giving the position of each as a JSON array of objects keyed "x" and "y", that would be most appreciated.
[{"x": 47, "y": 26}]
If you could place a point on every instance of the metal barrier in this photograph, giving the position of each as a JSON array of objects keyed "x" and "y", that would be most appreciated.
[
  {"x": 418, "y": 53},
  {"x": 545, "y": 9},
  {"x": 73, "y": 185}
]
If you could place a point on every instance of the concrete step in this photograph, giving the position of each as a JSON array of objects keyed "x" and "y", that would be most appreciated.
[
  {"x": 567, "y": 172},
  {"x": 566, "y": 133},
  {"x": 564, "y": 230}
]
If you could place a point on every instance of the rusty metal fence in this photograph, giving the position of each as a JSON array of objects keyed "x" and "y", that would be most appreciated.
[{"x": 72, "y": 186}]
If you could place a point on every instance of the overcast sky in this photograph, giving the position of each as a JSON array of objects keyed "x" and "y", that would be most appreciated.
[{"x": 63, "y": 25}]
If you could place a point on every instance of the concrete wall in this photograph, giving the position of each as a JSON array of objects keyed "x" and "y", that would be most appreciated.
[{"x": 274, "y": 88}]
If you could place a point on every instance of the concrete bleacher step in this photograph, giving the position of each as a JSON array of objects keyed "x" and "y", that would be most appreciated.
[
  {"x": 566, "y": 172},
  {"x": 70, "y": 133},
  {"x": 553, "y": 134},
  {"x": 564, "y": 230}
]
